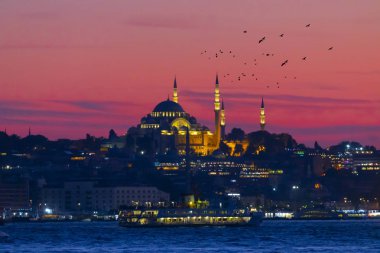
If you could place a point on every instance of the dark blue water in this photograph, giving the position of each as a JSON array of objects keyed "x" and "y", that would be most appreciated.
[{"x": 271, "y": 236}]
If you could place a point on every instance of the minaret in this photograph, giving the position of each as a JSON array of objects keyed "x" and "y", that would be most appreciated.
[
  {"x": 175, "y": 94},
  {"x": 222, "y": 122},
  {"x": 217, "y": 112},
  {"x": 262, "y": 115}
]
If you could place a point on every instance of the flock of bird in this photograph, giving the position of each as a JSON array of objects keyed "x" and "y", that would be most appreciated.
[{"x": 238, "y": 77}]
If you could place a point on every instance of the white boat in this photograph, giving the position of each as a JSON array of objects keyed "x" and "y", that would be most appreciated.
[{"x": 188, "y": 217}]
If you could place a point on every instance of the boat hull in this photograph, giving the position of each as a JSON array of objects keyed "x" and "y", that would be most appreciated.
[{"x": 191, "y": 221}]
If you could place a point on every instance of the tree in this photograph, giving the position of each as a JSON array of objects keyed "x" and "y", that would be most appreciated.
[
  {"x": 112, "y": 135},
  {"x": 225, "y": 148},
  {"x": 236, "y": 134}
]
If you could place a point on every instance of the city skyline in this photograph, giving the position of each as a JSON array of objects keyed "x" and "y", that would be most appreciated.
[{"x": 67, "y": 69}]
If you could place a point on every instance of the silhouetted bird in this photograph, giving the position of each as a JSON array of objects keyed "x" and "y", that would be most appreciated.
[
  {"x": 281, "y": 35},
  {"x": 245, "y": 31},
  {"x": 262, "y": 39},
  {"x": 331, "y": 48},
  {"x": 285, "y": 62},
  {"x": 308, "y": 25},
  {"x": 304, "y": 58}
]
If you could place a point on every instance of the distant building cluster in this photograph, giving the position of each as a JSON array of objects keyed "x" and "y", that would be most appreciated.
[{"x": 88, "y": 196}]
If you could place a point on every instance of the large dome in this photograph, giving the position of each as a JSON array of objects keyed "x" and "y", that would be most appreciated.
[{"x": 168, "y": 106}]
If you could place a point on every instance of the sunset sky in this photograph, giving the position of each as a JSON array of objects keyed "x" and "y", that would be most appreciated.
[{"x": 72, "y": 67}]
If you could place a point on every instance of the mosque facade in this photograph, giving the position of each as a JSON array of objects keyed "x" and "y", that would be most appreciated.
[{"x": 170, "y": 127}]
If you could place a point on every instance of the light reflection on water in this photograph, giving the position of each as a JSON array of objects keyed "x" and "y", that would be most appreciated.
[{"x": 271, "y": 236}]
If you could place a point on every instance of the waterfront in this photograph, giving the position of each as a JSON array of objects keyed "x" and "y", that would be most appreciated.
[{"x": 271, "y": 236}]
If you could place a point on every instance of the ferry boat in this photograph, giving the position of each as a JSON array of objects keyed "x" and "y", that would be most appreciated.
[{"x": 188, "y": 217}]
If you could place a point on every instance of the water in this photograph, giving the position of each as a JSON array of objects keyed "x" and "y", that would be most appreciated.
[{"x": 271, "y": 236}]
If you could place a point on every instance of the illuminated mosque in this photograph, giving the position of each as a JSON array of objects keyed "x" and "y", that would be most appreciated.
[{"x": 172, "y": 127}]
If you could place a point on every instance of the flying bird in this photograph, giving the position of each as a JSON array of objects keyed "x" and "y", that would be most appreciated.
[
  {"x": 262, "y": 39},
  {"x": 304, "y": 58},
  {"x": 308, "y": 25},
  {"x": 331, "y": 48},
  {"x": 281, "y": 35},
  {"x": 285, "y": 62},
  {"x": 245, "y": 31}
]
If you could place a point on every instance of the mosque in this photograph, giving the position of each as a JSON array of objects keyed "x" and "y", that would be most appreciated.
[{"x": 170, "y": 127}]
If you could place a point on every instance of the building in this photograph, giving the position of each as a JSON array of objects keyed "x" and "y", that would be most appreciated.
[
  {"x": 88, "y": 196},
  {"x": 14, "y": 195},
  {"x": 168, "y": 127}
]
